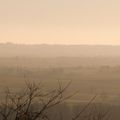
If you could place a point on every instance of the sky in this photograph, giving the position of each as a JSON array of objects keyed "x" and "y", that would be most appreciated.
[{"x": 60, "y": 21}]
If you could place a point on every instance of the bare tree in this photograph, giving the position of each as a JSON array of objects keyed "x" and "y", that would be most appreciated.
[
  {"x": 34, "y": 102},
  {"x": 20, "y": 106}
]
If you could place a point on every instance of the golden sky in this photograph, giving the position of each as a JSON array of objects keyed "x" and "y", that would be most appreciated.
[{"x": 60, "y": 21}]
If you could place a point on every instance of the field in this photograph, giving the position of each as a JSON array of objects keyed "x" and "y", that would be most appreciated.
[{"x": 88, "y": 76}]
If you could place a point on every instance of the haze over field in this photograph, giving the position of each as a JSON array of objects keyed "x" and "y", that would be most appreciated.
[
  {"x": 59, "y": 59},
  {"x": 45, "y": 50}
]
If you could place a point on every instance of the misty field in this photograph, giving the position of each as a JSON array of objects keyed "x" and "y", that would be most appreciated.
[{"x": 89, "y": 79}]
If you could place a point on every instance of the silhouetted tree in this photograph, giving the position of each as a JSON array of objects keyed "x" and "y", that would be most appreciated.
[{"x": 34, "y": 103}]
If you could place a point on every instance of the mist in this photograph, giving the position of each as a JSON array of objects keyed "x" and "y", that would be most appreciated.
[{"x": 91, "y": 69}]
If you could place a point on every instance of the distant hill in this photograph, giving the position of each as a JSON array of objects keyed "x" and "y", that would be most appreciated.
[{"x": 44, "y": 50}]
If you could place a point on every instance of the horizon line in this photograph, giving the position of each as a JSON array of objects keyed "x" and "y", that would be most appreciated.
[{"x": 74, "y": 44}]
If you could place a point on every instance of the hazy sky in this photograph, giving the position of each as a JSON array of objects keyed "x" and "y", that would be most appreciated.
[{"x": 60, "y": 21}]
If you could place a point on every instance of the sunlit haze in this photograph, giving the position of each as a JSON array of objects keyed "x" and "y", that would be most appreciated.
[{"x": 60, "y": 21}]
